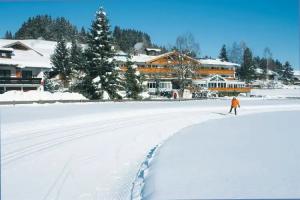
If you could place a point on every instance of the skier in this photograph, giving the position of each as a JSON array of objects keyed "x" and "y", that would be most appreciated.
[{"x": 234, "y": 104}]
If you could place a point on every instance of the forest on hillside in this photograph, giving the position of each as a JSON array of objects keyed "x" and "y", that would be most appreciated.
[{"x": 53, "y": 29}]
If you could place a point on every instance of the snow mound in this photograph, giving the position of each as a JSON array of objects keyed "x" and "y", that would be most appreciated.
[
  {"x": 139, "y": 182},
  {"x": 145, "y": 95},
  {"x": 106, "y": 95},
  {"x": 39, "y": 95}
]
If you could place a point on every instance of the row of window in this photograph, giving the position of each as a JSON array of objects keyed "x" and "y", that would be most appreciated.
[
  {"x": 7, "y": 73},
  {"x": 166, "y": 85},
  {"x": 5, "y": 55},
  {"x": 223, "y": 85},
  {"x": 222, "y": 68},
  {"x": 166, "y": 66}
]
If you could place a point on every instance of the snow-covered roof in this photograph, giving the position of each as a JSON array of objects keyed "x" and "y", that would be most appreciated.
[
  {"x": 153, "y": 49},
  {"x": 38, "y": 54},
  {"x": 142, "y": 58},
  {"x": 27, "y": 58},
  {"x": 261, "y": 71},
  {"x": 6, "y": 49},
  {"x": 217, "y": 78},
  {"x": 218, "y": 62}
]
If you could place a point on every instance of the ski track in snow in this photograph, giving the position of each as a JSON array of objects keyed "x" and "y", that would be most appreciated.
[{"x": 94, "y": 156}]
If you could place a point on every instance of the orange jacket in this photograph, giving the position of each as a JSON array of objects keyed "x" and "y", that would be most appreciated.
[{"x": 235, "y": 103}]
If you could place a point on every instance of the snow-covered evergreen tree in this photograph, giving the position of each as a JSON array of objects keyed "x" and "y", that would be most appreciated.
[
  {"x": 101, "y": 67},
  {"x": 133, "y": 86},
  {"x": 78, "y": 64},
  {"x": 76, "y": 56},
  {"x": 223, "y": 53},
  {"x": 61, "y": 62},
  {"x": 287, "y": 73}
]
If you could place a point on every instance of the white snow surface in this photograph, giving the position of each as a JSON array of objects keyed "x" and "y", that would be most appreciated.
[
  {"x": 231, "y": 161},
  {"x": 290, "y": 91},
  {"x": 35, "y": 95},
  {"x": 94, "y": 150}
]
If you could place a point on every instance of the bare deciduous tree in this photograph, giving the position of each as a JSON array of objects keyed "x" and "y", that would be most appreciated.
[{"x": 187, "y": 44}]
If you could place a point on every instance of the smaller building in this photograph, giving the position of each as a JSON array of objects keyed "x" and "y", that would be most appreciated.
[
  {"x": 152, "y": 51},
  {"x": 23, "y": 63},
  {"x": 297, "y": 77}
]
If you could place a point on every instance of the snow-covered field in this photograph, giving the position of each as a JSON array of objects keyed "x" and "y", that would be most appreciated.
[
  {"x": 233, "y": 161},
  {"x": 94, "y": 150}
]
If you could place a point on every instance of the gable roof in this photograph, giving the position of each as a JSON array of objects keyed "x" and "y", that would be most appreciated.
[
  {"x": 11, "y": 45},
  {"x": 174, "y": 53},
  {"x": 217, "y": 62},
  {"x": 38, "y": 53}
]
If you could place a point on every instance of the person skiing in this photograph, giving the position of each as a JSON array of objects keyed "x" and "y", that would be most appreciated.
[{"x": 234, "y": 104}]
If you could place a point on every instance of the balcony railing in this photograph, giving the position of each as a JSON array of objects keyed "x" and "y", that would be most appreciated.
[
  {"x": 15, "y": 81},
  {"x": 215, "y": 71},
  {"x": 244, "y": 89},
  {"x": 155, "y": 70}
]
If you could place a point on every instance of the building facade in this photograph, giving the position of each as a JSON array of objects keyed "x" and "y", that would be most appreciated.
[{"x": 161, "y": 73}]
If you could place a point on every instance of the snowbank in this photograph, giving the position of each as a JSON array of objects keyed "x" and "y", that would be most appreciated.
[
  {"x": 277, "y": 93},
  {"x": 39, "y": 95},
  {"x": 230, "y": 161}
]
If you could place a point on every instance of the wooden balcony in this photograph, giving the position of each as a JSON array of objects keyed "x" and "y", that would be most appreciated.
[
  {"x": 243, "y": 90},
  {"x": 154, "y": 70},
  {"x": 215, "y": 71}
]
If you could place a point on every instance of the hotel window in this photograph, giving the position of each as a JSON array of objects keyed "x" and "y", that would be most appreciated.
[
  {"x": 26, "y": 74},
  {"x": 5, "y": 54},
  {"x": 5, "y": 73},
  {"x": 151, "y": 85}
]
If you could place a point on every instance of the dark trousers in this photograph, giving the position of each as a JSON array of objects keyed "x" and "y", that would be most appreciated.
[{"x": 234, "y": 110}]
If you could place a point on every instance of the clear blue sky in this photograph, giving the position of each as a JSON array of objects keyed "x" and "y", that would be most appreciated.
[{"x": 260, "y": 23}]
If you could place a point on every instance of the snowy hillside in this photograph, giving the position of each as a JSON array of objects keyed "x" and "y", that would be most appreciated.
[{"x": 94, "y": 150}]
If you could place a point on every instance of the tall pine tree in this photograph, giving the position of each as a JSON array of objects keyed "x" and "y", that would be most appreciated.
[
  {"x": 77, "y": 64},
  {"x": 61, "y": 62},
  {"x": 77, "y": 59},
  {"x": 223, "y": 53},
  {"x": 133, "y": 86},
  {"x": 247, "y": 71},
  {"x": 101, "y": 66},
  {"x": 8, "y": 35}
]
